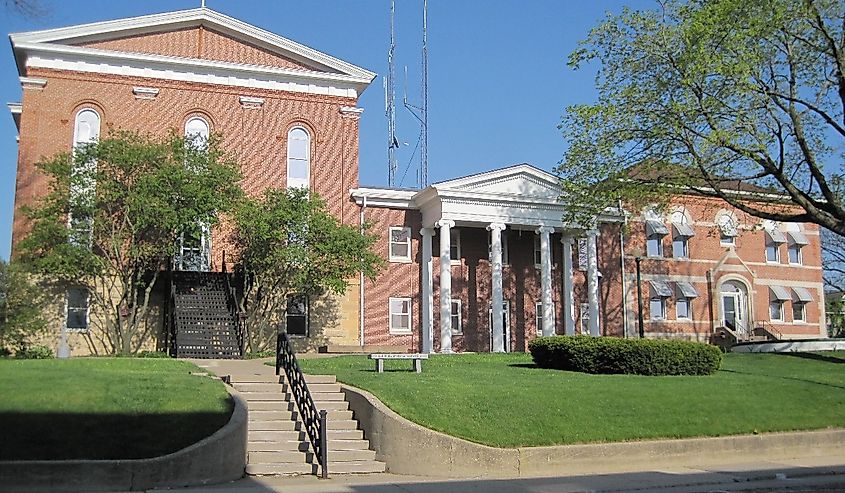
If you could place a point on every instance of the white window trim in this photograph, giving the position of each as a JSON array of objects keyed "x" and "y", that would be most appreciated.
[
  {"x": 662, "y": 308},
  {"x": 689, "y": 309},
  {"x": 802, "y": 320},
  {"x": 390, "y": 315},
  {"x": 781, "y": 303},
  {"x": 307, "y": 155},
  {"x": 398, "y": 258},
  {"x": 800, "y": 254},
  {"x": 685, "y": 240},
  {"x": 769, "y": 243},
  {"x": 460, "y": 329},
  {"x": 455, "y": 236},
  {"x": 204, "y": 135},
  {"x": 660, "y": 251}
]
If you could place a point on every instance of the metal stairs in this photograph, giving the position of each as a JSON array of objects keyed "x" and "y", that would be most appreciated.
[
  {"x": 204, "y": 325},
  {"x": 278, "y": 443}
]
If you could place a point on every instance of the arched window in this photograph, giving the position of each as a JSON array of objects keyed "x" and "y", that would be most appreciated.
[
  {"x": 86, "y": 127},
  {"x": 197, "y": 131},
  {"x": 299, "y": 158}
]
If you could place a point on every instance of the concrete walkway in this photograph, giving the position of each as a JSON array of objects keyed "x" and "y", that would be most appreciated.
[{"x": 795, "y": 475}]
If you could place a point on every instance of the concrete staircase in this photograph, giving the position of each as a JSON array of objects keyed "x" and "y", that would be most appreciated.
[{"x": 278, "y": 443}]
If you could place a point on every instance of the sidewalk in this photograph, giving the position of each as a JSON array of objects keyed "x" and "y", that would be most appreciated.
[{"x": 800, "y": 474}]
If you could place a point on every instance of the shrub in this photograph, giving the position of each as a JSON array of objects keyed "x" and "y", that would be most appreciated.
[
  {"x": 152, "y": 354},
  {"x": 631, "y": 356},
  {"x": 34, "y": 352}
]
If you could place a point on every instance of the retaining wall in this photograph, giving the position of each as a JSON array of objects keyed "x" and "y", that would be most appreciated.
[
  {"x": 408, "y": 448},
  {"x": 218, "y": 458}
]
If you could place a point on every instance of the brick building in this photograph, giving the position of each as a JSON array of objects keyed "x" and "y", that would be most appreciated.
[{"x": 478, "y": 263}]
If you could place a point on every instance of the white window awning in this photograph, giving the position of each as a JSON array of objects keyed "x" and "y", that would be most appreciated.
[
  {"x": 776, "y": 235},
  {"x": 655, "y": 227},
  {"x": 683, "y": 229},
  {"x": 798, "y": 238},
  {"x": 779, "y": 293},
  {"x": 686, "y": 290},
  {"x": 660, "y": 289},
  {"x": 802, "y": 295}
]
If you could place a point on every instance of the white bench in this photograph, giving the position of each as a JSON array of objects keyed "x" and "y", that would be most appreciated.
[{"x": 416, "y": 357}]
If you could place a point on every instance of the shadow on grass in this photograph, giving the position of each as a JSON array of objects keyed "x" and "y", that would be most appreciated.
[
  {"x": 795, "y": 379},
  {"x": 56, "y": 436},
  {"x": 525, "y": 365},
  {"x": 817, "y": 357}
]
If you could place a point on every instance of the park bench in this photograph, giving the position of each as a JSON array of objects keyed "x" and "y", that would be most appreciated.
[{"x": 417, "y": 360}]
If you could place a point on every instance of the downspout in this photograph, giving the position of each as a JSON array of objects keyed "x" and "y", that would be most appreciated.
[
  {"x": 361, "y": 280},
  {"x": 624, "y": 283}
]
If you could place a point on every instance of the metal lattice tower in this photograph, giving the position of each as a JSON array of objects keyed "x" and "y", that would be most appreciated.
[{"x": 390, "y": 102}]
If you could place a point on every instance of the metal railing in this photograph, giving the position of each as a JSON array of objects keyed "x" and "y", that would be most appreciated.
[
  {"x": 171, "y": 318},
  {"x": 234, "y": 308},
  {"x": 768, "y": 330},
  {"x": 314, "y": 421}
]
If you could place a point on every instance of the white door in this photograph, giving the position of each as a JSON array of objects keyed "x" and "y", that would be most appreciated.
[
  {"x": 506, "y": 325},
  {"x": 733, "y": 316}
]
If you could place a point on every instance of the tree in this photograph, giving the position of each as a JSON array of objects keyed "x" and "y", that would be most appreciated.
[
  {"x": 22, "y": 308},
  {"x": 291, "y": 245},
  {"x": 112, "y": 219},
  {"x": 714, "y": 96}
]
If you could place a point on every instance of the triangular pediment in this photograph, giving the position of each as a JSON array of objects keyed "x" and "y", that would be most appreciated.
[
  {"x": 196, "y": 34},
  {"x": 520, "y": 180}
]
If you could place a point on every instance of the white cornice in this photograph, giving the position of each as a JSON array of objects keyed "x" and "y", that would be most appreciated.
[
  {"x": 187, "y": 18},
  {"x": 32, "y": 82},
  {"x": 385, "y": 197},
  {"x": 145, "y": 92},
  {"x": 191, "y": 70}
]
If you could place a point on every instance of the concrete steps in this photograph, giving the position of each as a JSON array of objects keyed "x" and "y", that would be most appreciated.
[{"x": 278, "y": 443}]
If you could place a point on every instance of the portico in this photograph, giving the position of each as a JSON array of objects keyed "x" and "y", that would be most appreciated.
[{"x": 521, "y": 199}]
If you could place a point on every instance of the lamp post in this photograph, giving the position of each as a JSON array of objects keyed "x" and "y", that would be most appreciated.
[{"x": 638, "y": 259}]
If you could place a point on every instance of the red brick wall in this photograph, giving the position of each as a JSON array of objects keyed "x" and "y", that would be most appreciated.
[
  {"x": 198, "y": 42},
  {"x": 256, "y": 137}
]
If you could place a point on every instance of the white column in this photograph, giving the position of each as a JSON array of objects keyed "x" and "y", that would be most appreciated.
[
  {"x": 593, "y": 282},
  {"x": 427, "y": 318},
  {"x": 568, "y": 285},
  {"x": 496, "y": 279},
  {"x": 546, "y": 279},
  {"x": 445, "y": 226}
]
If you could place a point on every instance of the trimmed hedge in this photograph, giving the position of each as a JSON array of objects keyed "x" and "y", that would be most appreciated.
[{"x": 630, "y": 356}]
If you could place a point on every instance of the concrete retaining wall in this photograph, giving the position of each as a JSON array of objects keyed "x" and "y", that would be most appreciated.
[
  {"x": 218, "y": 458},
  {"x": 790, "y": 346},
  {"x": 408, "y": 448}
]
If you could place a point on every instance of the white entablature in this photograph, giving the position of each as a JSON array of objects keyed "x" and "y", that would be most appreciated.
[{"x": 521, "y": 196}]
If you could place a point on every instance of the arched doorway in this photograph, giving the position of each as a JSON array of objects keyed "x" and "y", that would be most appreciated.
[{"x": 734, "y": 303}]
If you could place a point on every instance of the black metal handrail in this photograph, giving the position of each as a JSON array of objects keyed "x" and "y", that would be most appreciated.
[
  {"x": 314, "y": 421},
  {"x": 235, "y": 311},
  {"x": 171, "y": 310}
]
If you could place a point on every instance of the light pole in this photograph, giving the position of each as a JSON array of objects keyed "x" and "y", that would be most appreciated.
[{"x": 638, "y": 259}]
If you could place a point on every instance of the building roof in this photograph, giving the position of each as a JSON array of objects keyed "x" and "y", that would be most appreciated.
[{"x": 66, "y": 48}]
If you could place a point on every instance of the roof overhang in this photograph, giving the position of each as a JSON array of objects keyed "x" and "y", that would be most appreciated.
[{"x": 55, "y": 48}]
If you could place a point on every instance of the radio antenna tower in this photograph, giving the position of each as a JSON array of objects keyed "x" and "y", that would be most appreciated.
[
  {"x": 390, "y": 102},
  {"x": 421, "y": 112}
]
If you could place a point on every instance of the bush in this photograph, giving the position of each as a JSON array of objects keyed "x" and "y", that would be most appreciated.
[
  {"x": 34, "y": 352},
  {"x": 152, "y": 354},
  {"x": 630, "y": 356}
]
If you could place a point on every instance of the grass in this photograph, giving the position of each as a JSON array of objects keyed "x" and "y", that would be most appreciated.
[
  {"x": 503, "y": 400},
  {"x": 105, "y": 408}
]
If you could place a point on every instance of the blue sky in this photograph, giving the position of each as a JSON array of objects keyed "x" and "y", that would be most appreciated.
[{"x": 498, "y": 80}]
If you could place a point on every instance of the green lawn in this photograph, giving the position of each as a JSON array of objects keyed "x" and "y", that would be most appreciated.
[
  {"x": 504, "y": 401},
  {"x": 104, "y": 408}
]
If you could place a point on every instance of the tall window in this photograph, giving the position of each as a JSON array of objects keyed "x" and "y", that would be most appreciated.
[
  {"x": 400, "y": 315},
  {"x": 796, "y": 241},
  {"x": 660, "y": 291},
  {"x": 655, "y": 231},
  {"x": 77, "y": 309},
  {"x": 197, "y": 132},
  {"x": 538, "y": 252},
  {"x": 400, "y": 244},
  {"x": 457, "y": 326},
  {"x": 299, "y": 158},
  {"x": 774, "y": 237},
  {"x": 681, "y": 233},
  {"x": 686, "y": 292},
  {"x": 296, "y": 317},
  {"x": 777, "y": 296},
  {"x": 455, "y": 245},
  {"x": 801, "y": 296},
  {"x": 582, "y": 254},
  {"x": 86, "y": 130},
  {"x": 505, "y": 250}
]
